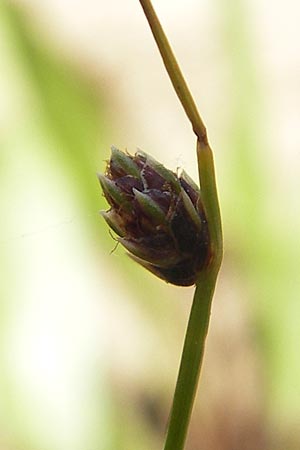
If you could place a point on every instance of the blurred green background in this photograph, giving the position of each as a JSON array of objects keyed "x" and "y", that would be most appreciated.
[{"x": 90, "y": 343}]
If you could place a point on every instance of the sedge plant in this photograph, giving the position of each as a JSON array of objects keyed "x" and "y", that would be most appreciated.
[{"x": 172, "y": 228}]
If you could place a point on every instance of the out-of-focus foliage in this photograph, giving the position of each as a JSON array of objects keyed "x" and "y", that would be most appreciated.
[
  {"x": 89, "y": 342},
  {"x": 55, "y": 394}
]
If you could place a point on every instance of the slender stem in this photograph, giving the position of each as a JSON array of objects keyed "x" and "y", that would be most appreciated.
[
  {"x": 191, "y": 362},
  {"x": 194, "y": 344},
  {"x": 174, "y": 71},
  {"x": 197, "y": 329},
  {"x": 209, "y": 197}
]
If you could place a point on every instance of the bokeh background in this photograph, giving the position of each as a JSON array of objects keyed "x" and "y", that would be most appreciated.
[{"x": 90, "y": 342}]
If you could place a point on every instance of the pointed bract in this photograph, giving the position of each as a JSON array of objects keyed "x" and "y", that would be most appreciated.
[
  {"x": 124, "y": 163},
  {"x": 149, "y": 207},
  {"x": 114, "y": 221}
]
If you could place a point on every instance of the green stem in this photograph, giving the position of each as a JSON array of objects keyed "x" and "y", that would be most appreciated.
[
  {"x": 197, "y": 329},
  {"x": 191, "y": 362},
  {"x": 209, "y": 196},
  {"x": 174, "y": 71},
  {"x": 194, "y": 344}
]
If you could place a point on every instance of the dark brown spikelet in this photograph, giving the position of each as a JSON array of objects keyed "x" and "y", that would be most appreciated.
[{"x": 157, "y": 215}]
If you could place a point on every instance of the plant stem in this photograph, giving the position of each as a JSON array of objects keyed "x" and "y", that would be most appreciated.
[
  {"x": 197, "y": 329},
  {"x": 209, "y": 197},
  {"x": 174, "y": 71},
  {"x": 191, "y": 361},
  {"x": 194, "y": 344}
]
